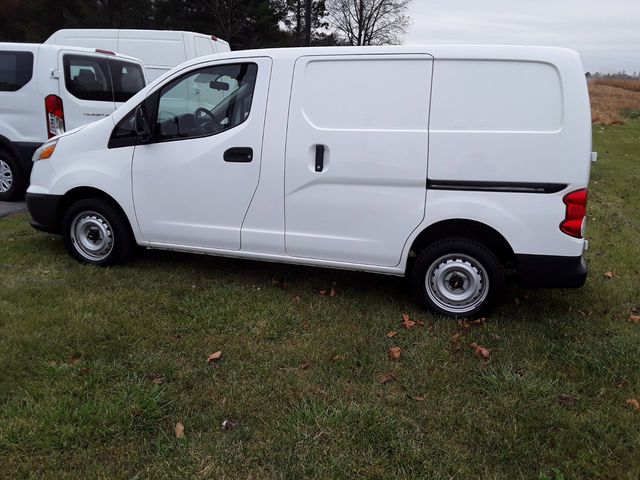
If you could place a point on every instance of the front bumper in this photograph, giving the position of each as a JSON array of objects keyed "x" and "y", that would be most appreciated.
[
  {"x": 44, "y": 211},
  {"x": 549, "y": 271}
]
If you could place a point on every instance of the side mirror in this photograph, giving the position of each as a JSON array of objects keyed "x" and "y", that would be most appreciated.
[{"x": 142, "y": 124}]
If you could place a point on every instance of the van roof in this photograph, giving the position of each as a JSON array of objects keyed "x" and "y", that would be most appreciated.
[
  {"x": 33, "y": 47},
  {"x": 489, "y": 52}
]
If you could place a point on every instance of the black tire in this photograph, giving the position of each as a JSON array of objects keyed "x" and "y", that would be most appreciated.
[
  {"x": 466, "y": 278},
  {"x": 13, "y": 181},
  {"x": 98, "y": 233}
]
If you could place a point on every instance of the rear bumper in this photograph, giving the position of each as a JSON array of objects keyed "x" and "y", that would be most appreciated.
[
  {"x": 44, "y": 209},
  {"x": 548, "y": 271}
]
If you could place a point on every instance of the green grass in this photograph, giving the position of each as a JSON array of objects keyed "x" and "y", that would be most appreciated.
[{"x": 98, "y": 365}]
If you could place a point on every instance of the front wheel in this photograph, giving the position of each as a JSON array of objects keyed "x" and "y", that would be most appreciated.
[
  {"x": 457, "y": 277},
  {"x": 97, "y": 233}
]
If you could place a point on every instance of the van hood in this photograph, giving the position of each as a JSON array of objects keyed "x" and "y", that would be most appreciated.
[{"x": 70, "y": 132}]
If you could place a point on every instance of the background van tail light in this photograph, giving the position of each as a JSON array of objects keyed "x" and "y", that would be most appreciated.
[
  {"x": 54, "y": 114},
  {"x": 576, "y": 211}
]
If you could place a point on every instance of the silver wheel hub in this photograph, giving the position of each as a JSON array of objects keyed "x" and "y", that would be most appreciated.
[
  {"x": 457, "y": 283},
  {"x": 92, "y": 235},
  {"x": 6, "y": 177}
]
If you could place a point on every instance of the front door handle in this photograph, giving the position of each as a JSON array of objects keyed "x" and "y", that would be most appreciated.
[{"x": 239, "y": 155}]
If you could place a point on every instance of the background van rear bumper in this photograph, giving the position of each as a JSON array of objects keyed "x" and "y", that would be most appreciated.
[{"x": 548, "y": 271}]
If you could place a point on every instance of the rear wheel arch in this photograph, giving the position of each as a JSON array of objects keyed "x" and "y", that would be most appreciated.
[{"x": 464, "y": 228}]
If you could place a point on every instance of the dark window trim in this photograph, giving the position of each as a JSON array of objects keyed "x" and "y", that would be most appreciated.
[
  {"x": 510, "y": 187},
  {"x": 30, "y": 76}
]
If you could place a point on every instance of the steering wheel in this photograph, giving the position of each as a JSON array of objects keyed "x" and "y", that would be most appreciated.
[{"x": 202, "y": 122}]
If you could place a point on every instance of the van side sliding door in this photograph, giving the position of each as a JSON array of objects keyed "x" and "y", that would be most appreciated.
[{"x": 356, "y": 161}]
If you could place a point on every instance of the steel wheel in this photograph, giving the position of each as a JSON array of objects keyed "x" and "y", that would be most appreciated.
[
  {"x": 91, "y": 235},
  {"x": 457, "y": 283},
  {"x": 6, "y": 177}
]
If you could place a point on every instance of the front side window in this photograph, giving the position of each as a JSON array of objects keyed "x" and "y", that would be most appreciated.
[
  {"x": 206, "y": 101},
  {"x": 16, "y": 70},
  {"x": 127, "y": 79},
  {"x": 87, "y": 78}
]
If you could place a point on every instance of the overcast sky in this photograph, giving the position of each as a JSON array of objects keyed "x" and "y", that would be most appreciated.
[{"x": 605, "y": 32}]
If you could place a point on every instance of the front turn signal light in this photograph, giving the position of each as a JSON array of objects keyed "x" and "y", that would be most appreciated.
[{"x": 45, "y": 151}]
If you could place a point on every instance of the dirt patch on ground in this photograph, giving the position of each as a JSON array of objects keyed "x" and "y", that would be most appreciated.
[{"x": 611, "y": 97}]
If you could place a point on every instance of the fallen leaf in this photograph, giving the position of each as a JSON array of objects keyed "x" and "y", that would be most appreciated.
[
  {"x": 456, "y": 338},
  {"x": 495, "y": 336},
  {"x": 296, "y": 298},
  {"x": 214, "y": 356},
  {"x": 73, "y": 359},
  {"x": 417, "y": 398},
  {"x": 333, "y": 292},
  {"x": 337, "y": 358},
  {"x": 228, "y": 425},
  {"x": 391, "y": 334},
  {"x": 609, "y": 275},
  {"x": 420, "y": 323},
  {"x": 386, "y": 378},
  {"x": 305, "y": 365},
  {"x": 481, "y": 351},
  {"x": 633, "y": 403},
  {"x": 179, "y": 430},
  {"x": 623, "y": 383},
  {"x": 479, "y": 321},
  {"x": 567, "y": 400},
  {"x": 634, "y": 318},
  {"x": 158, "y": 380},
  {"x": 516, "y": 301},
  {"x": 463, "y": 324},
  {"x": 323, "y": 292},
  {"x": 407, "y": 322},
  {"x": 394, "y": 353}
]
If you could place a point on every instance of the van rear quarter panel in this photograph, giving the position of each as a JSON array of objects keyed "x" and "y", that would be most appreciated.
[{"x": 511, "y": 120}]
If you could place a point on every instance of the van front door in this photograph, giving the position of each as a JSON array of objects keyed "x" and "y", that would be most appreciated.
[
  {"x": 356, "y": 161},
  {"x": 192, "y": 185},
  {"x": 85, "y": 88}
]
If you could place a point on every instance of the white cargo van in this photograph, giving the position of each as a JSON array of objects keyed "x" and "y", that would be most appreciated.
[
  {"x": 160, "y": 50},
  {"x": 447, "y": 164},
  {"x": 47, "y": 89}
]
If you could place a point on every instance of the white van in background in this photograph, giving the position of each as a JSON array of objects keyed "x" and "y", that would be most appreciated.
[
  {"x": 160, "y": 50},
  {"x": 403, "y": 166},
  {"x": 48, "y": 89}
]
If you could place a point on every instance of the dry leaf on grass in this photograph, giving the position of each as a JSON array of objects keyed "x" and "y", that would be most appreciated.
[
  {"x": 481, "y": 351},
  {"x": 214, "y": 356},
  {"x": 337, "y": 358},
  {"x": 333, "y": 292},
  {"x": 609, "y": 275},
  {"x": 229, "y": 425},
  {"x": 407, "y": 322},
  {"x": 417, "y": 398},
  {"x": 391, "y": 334},
  {"x": 305, "y": 365},
  {"x": 567, "y": 400},
  {"x": 73, "y": 359},
  {"x": 179, "y": 430},
  {"x": 394, "y": 353},
  {"x": 296, "y": 298},
  {"x": 633, "y": 403},
  {"x": 634, "y": 318},
  {"x": 386, "y": 378},
  {"x": 158, "y": 380}
]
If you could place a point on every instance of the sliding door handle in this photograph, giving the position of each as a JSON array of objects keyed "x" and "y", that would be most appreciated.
[
  {"x": 239, "y": 155},
  {"x": 319, "y": 158}
]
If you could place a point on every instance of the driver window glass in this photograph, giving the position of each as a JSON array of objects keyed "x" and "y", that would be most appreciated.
[{"x": 206, "y": 101}]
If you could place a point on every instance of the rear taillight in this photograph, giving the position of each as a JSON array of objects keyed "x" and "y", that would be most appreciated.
[
  {"x": 55, "y": 115},
  {"x": 575, "y": 214}
]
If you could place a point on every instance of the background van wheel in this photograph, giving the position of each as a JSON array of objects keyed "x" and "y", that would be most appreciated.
[
  {"x": 457, "y": 277},
  {"x": 97, "y": 233},
  {"x": 13, "y": 181}
]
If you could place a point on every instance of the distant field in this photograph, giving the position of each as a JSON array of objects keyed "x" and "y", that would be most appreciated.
[{"x": 614, "y": 100}]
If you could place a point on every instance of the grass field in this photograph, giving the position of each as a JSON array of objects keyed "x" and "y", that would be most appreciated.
[{"x": 99, "y": 365}]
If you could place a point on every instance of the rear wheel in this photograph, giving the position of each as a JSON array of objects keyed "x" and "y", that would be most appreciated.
[
  {"x": 12, "y": 178},
  {"x": 457, "y": 277},
  {"x": 97, "y": 233}
]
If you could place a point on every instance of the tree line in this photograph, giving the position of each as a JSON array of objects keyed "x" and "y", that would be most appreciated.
[{"x": 243, "y": 23}]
